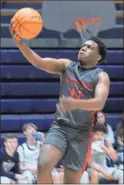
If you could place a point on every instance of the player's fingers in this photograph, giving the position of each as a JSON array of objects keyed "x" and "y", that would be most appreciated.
[
  {"x": 13, "y": 33},
  {"x": 11, "y": 29}
]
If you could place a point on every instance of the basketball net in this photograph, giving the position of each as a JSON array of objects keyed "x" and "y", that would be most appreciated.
[{"x": 87, "y": 27}]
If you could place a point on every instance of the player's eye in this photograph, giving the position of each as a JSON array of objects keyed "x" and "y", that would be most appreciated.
[{"x": 89, "y": 47}]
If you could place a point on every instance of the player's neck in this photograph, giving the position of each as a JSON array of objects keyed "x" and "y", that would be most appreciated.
[{"x": 87, "y": 66}]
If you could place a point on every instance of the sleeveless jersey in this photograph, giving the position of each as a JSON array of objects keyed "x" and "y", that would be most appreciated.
[{"x": 79, "y": 83}]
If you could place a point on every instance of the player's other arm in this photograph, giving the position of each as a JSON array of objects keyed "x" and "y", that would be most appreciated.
[
  {"x": 96, "y": 103},
  {"x": 50, "y": 65},
  {"x": 101, "y": 92}
]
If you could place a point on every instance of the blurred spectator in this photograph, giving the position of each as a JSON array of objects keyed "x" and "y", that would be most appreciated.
[
  {"x": 101, "y": 119},
  {"x": 120, "y": 144},
  {"x": 85, "y": 178},
  {"x": 58, "y": 176},
  {"x": 29, "y": 152},
  {"x": 120, "y": 137},
  {"x": 119, "y": 130},
  {"x": 9, "y": 161},
  {"x": 97, "y": 164}
]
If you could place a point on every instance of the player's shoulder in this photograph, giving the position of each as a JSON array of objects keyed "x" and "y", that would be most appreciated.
[
  {"x": 71, "y": 64},
  {"x": 103, "y": 75}
]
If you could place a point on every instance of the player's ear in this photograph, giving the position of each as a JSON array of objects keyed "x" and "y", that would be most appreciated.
[{"x": 99, "y": 57}]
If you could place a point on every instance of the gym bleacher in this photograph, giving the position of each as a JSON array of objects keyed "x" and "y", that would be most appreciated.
[{"x": 30, "y": 95}]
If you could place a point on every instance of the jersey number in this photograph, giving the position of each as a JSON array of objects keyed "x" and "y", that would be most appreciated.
[{"x": 73, "y": 91}]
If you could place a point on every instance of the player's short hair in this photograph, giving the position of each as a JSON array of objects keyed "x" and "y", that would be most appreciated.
[
  {"x": 100, "y": 128},
  {"x": 10, "y": 136},
  {"x": 101, "y": 47},
  {"x": 25, "y": 126}
]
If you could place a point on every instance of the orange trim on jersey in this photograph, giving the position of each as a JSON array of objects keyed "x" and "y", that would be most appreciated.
[
  {"x": 85, "y": 84},
  {"x": 87, "y": 155},
  {"x": 89, "y": 148}
]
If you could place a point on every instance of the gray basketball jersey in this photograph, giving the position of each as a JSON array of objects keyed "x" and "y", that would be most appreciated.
[{"x": 79, "y": 83}]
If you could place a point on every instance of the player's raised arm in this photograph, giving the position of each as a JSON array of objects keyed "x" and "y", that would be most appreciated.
[{"x": 50, "y": 65}]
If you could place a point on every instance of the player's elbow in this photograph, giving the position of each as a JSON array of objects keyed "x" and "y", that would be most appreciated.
[{"x": 100, "y": 105}]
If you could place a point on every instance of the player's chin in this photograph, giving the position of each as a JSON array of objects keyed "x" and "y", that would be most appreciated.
[{"x": 80, "y": 59}]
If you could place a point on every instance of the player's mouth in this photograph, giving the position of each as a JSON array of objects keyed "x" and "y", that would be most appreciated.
[{"x": 82, "y": 53}]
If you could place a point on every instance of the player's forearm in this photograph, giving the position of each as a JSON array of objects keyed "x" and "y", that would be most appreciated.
[
  {"x": 90, "y": 104},
  {"x": 30, "y": 55}
]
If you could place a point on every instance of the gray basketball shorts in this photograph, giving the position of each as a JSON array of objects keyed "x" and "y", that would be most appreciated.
[{"x": 74, "y": 147}]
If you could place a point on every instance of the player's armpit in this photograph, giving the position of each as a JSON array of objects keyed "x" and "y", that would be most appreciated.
[
  {"x": 53, "y": 65},
  {"x": 102, "y": 89}
]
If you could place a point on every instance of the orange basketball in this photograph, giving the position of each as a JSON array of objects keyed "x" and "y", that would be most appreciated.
[{"x": 27, "y": 23}]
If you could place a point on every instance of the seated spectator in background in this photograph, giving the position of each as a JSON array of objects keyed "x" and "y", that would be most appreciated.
[
  {"x": 9, "y": 161},
  {"x": 101, "y": 119},
  {"x": 29, "y": 153},
  {"x": 120, "y": 137},
  {"x": 119, "y": 125},
  {"x": 120, "y": 132},
  {"x": 120, "y": 145},
  {"x": 97, "y": 167},
  {"x": 58, "y": 176},
  {"x": 85, "y": 178}
]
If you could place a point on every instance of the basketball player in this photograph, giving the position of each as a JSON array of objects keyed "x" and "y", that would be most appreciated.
[{"x": 84, "y": 89}]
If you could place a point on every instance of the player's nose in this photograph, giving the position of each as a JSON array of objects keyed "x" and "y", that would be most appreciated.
[{"x": 84, "y": 49}]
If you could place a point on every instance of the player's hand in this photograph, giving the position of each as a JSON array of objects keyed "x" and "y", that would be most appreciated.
[
  {"x": 65, "y": 104},
  {"x": 15, "y": 37},
  {"x": 108, "y": 176}
]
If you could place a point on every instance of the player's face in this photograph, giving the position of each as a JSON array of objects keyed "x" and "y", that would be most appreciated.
[
  {"x": 98, "y": 135},
  {"x": 89, "y": 53},
  {"x": 11, "y": 144},
  {"x": 100, "y": 118}
]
